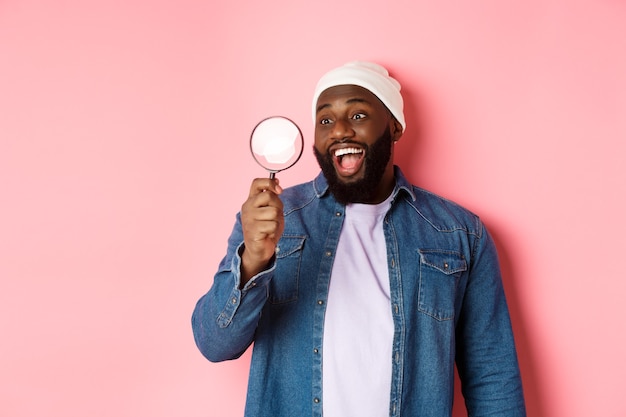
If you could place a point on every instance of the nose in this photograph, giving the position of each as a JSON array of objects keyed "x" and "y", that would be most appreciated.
[{"x": 342, "y": 130}]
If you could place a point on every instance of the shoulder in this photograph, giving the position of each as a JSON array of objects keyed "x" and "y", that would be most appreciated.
[
  {"x": 298, "y": 196},
  {"x": 441, "y": 213}
]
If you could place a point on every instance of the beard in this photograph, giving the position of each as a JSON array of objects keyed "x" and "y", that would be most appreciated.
[{"x": 377, "y": 157}]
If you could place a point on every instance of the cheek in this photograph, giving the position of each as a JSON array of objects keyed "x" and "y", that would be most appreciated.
[{"x": 320, "y": 143}]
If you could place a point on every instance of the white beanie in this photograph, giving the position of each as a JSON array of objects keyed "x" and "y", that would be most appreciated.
[{"x": 370, "y": 76}]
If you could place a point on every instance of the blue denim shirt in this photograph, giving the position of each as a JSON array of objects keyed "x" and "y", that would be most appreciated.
[{"x": 447, "y": 303}]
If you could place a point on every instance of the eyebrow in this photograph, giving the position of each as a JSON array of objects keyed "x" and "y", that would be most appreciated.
[{"x": 349, "y": 101}]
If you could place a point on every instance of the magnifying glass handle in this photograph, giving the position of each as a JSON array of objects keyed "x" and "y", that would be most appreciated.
[{"x": 272, "y": 175}]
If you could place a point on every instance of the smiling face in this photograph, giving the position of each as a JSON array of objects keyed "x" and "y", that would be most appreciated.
[{"x": 354, "y": 136}]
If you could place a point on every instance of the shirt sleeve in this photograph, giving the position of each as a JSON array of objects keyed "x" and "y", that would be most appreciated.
[
  {"x": 486, "y": 354},
  {"x": 224, "y": 320}
]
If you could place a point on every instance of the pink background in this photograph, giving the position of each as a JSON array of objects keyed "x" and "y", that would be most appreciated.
[{"x": 124, "y": 157}]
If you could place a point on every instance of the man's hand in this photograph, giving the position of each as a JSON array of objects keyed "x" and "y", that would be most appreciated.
[{"x": 263, "y": 224}]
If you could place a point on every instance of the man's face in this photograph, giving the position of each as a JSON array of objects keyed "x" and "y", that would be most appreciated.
[{"x": 354, "y": 135}]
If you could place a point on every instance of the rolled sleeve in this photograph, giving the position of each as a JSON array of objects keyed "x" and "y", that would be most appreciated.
[{"x": 224, "y": 320}]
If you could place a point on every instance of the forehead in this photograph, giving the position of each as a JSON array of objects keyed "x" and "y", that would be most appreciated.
[{"x": 346, "y": 94}]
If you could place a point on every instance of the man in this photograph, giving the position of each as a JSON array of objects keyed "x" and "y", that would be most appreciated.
[{"x": 359, "y": 290}]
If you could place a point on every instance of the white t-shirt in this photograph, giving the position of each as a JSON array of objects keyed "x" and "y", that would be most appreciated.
[{"x": 358, "y": 327}]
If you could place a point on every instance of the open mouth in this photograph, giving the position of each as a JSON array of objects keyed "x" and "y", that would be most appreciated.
[{"x": 348, "y": 161}]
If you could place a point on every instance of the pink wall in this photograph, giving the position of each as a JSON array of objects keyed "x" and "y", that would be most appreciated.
[{"x": 123, "y": 158}]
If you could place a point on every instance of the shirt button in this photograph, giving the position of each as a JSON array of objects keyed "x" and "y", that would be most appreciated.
[
  {"x": 315, "y": 350},
  {"x": 320, "y": 302},
  {"x": 338, "y": 214},
  {"x": 234, "y": 300},
  {"x": 316, "y": 400},
  {"x": 328, "y": 253}
]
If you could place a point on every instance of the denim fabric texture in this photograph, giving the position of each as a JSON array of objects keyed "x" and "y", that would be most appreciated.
[{"x": 447, "y": 301}]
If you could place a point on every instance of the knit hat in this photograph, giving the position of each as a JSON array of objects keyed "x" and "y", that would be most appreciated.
[{"x": 370, "y": 76}]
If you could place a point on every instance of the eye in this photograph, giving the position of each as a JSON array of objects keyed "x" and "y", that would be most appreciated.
[
  {"x": 359, "y": 116},
  {"x": 324, "y": 121}
]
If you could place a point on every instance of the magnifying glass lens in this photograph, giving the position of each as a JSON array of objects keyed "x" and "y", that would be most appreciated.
[{"x": 276, "y": 144}]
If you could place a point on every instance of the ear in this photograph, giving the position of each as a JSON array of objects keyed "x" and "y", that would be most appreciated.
[{"x": 396, "y": 130}]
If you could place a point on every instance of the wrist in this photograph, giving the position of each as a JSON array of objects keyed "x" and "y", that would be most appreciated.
[{"x": 251, "y": 266}]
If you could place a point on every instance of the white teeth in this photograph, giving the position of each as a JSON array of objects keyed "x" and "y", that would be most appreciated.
[{"x": 346, "y": 151}]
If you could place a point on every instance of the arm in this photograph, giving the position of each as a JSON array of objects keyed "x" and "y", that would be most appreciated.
[
  {"x": 225, "y": 319},
  {"x": 486, "y": 355}
]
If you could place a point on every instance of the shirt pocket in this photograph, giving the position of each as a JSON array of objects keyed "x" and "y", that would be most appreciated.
[
  {"x": 283, "y": 287},
  {"x": 439, "y": 274}
]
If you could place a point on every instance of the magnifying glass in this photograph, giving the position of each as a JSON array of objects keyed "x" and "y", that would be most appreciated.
[{"x": 276, "y": 144}]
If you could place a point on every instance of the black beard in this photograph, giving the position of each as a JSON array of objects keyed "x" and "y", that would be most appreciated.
[{"x": 361, "y": 191}]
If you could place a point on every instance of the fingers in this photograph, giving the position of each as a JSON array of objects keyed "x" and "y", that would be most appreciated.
[
  {"x": 261, "y": 224},
  {"x": 261, "y": 185},
  {"x": 263, "y": 203}
]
